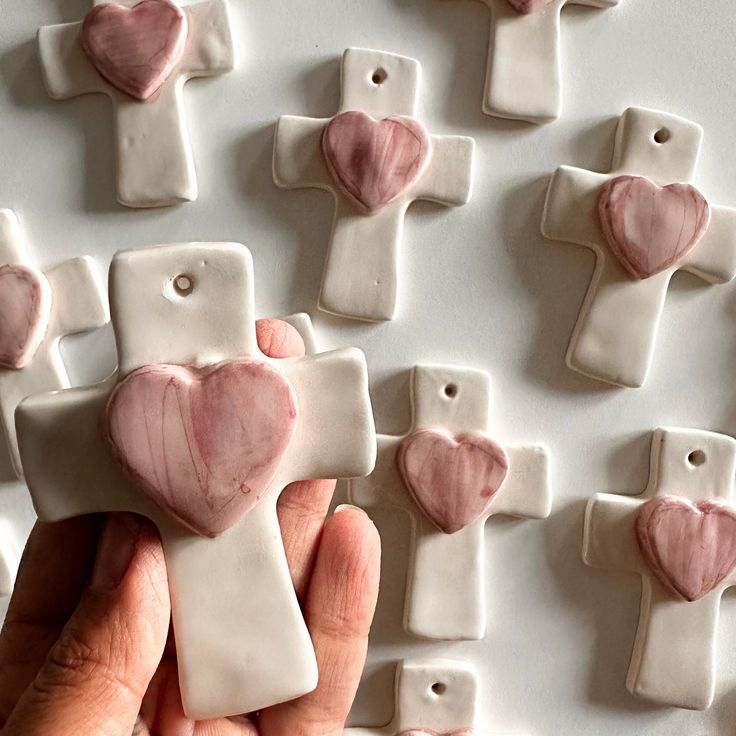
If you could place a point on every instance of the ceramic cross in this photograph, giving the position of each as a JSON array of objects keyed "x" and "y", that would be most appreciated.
[
  {"x": 376, "y": 159},
  {"x": 641, "y": 234},
  {"x": 680, "y": 536},
  {"x": 211, "y": 431},
  {"x": 8, "y": 560},
  {"x": 524, "y": 69},
  {"x": 433, "y": 698},
  {"x": 36, "y": 310},
  {"x": 155, "y": 167},
  {"x": 446, "y": 590}
]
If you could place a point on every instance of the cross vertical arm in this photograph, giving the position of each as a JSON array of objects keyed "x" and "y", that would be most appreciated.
[{"x": 523, "y": 76}]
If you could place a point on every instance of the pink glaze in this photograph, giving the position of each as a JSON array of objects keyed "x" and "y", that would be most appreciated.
[
  {"x": 204, "y": 443},
  {"x": 453, "y": 480},
  {"x": 651, "y": 228},
  {"x": 375, "y": 162},
  {"x": 135, "y": 49},
  {"x": 526, "y": 7},
  {"x": 691, "y": 549},
  {"x": 25, "y": 309}
]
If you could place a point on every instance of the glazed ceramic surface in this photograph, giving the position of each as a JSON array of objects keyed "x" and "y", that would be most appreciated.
[
  {"x": 615, "y": 336},
  {"x": 433, "y": 698},
  {"x": 378, "y": 107},
  {"x": 446, "y": 592},
  {"x": 102, "y": 54},
  {"x": 235, "y": 588},
  {"x": 523, "y": 77},
  {"x": 9, "y": 559},
  {"x": 37, "y": 310},
  {"x": 679, "y": 536}
]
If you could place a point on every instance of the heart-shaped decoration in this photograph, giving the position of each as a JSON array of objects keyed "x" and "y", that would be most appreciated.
[
  {"x": 374, "y": 161},
  {"x": 25, "y": 309},
  {"x": 691, "y": 549},
  {"x": 649, "y": 228},
  {"x": 452, "y": 479},
  {"x": 135, "y": 49},
  {"x": 527, "y": 7},
  {"x": 203, "y": 443}
]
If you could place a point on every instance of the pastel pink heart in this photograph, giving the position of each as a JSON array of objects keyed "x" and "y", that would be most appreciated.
[
  {"x": 452, "y": 479},
  {"x": 25, "y": 310},
  {"x": 650, "y": 228},
  {"x": 691, "y": 549},
  {"x": 203, "y": 443},
  {"x": 526, "y": 7},
  {"x": 375, "y": 162},
  {"x": 135, "y": 49}
]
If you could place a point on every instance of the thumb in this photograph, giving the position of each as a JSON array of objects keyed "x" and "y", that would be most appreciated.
[{"x": 96, "y": 675}]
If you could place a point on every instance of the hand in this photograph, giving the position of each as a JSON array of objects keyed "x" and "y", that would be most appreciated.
[{"x": 83, "y": 651}]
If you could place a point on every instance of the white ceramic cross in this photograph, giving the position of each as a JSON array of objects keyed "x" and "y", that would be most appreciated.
[
  {"x": 79, "y": 303},
  {"x": 8, "y": 560},
  {"x": 524, "y": 68},
  {"x": 674, "y": 657},
  {"x": 155, "y": 166},
  {"x": 242, "y": 643},
  {"x": 446, "y": 590},
  {"x": 616, "y": 332},
  {"x": 360, "y": 279},
  {"x": 433, "y": 698}
]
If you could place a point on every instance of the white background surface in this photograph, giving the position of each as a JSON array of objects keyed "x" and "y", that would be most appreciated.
[{"x": 479, "y": 287}]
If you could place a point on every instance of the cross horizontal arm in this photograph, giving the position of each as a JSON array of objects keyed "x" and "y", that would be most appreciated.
[
  {"x": 609, "y": 539},
  {"x": 8, "y": 559},
  {"x": 714, "y": 257},
  {"x": 210, "y": 46},
  {"x": 448, "y": 179},
  {"x": 335, "y": 435},
  {"x": 526, "y": 491},
  {"x": 13, "y": 243},
  {"x": 297, "y": 155}
]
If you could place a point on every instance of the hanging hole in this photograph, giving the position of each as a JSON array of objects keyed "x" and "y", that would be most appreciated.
[
  {"x": 379, "y": 77},
  {"x": 183, "y": 285},
  {"x": 662, "y": 136},
  {"x": 439, "y": 688},
  {"x": 451, "y": 390},
  {"x": 696, "y": 458}
]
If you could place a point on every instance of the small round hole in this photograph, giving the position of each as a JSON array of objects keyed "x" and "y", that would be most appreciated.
[
  {"x": 379, "y": 77},
  {"x": 662, "y": 135},
  {"x": 183, "y": 285},
  {"x": 696, "y": 458},
  {"x": 451, "y": 390},
  {"x": 439, "y": 688}
]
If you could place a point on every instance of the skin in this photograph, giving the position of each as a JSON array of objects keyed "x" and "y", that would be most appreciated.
[{"x": 86, "y": 647}]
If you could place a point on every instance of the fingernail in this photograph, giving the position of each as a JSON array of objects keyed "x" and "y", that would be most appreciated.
[
  {"x": 115, "y": 550},
  {"x": 349, "y": 507}
]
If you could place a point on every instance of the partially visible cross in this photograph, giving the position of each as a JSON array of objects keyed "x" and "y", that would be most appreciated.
[
  {"x": 674, "y": 657},
  {"x": 78, "y": 304},
  {"x": 616, "y": 332},
  {"x": 360, "y": 279},
  {"x": 446, "y": 596},
  {"x": 242, "y": 643},
  {"x": 155, "y": 166},
  {"x": 8, "y": 560},
  {"x": 433, "y": 698},
  {"x": 524, "y": 68}
]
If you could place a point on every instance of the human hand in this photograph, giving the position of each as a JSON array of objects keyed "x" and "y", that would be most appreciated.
[{"x": 84, "y": 652}]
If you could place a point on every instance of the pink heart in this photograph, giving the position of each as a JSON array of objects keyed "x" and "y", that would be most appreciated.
[
  {"x": 526, "y": 7},
  {"x": 25, "y": 309},
  {"x": 453, "y": 480},
  {"x": 691, "y": 549},
  {"x": 135, "y": 49},
  {"x": 651, "y": 228},
  {"x": 204, "y": 443},
  {"x": 375, "y": 161}
]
